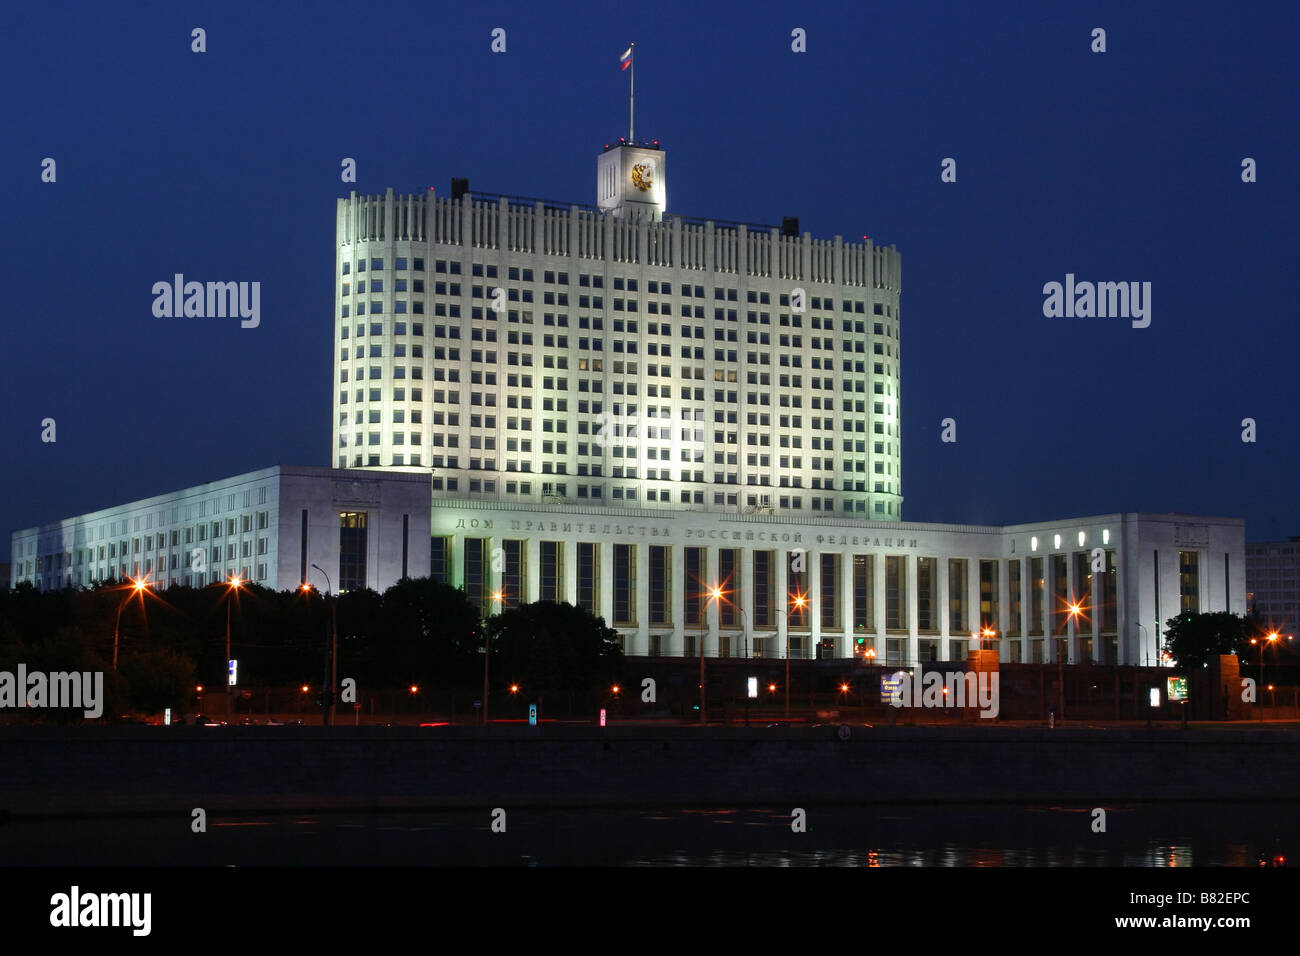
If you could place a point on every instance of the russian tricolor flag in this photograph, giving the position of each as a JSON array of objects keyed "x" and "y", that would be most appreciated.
[{"x": 626, "y": 59}]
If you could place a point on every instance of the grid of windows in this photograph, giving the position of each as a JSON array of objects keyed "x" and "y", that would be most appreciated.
[
  {"x": 478, "y": 572},
  {"x": 688, "y": 352},
  {"x": 764, "y": 585},
  {"x": 958, "y": 597},
  {"x": 864, "y": 585},
  {"x": 514, "y": 578},
  {"x": 989, "y": 605},
  {"x": 729, "y": 578},
  {"x": 1189, "y": 581},
  {"x": 589, "y": 576},
  {"x": 695, "y": 593},
  {"x": 895, "y": 595},
  {"x": 927, "y": 582},
  {"x": 352, "y": 550},
  {"x": 624, "y": 585},
  {"x": 660, "y": 580}
]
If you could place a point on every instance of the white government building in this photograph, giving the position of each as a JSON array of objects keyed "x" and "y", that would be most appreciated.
[{"x": 689, "y": 427}]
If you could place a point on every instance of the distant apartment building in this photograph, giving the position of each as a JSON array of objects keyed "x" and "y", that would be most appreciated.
[{"x": 1273, "y": 580}]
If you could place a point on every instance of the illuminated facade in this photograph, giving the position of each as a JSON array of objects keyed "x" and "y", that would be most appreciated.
[
  {"x": 534, "y": 352},
  {"x": 691, "y": 428},
  {"x": 1086, "y": 589},
  {"x": 267, "y": 527}
]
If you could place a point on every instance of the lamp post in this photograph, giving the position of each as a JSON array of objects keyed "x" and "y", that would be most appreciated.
[
  {"x": 232, "y": 585},
  {"x": 799, "y": 602},
  {"x": 138, "y": 586},
  {"x": 331, "y": 650},
  {"x": 1075, "y": 610},
  {"x": 487, "y": 647},
  {"x": 744, "y": 619},
  {"x": 715, "y": 594},
  {"x": 1270, "y": 638}
]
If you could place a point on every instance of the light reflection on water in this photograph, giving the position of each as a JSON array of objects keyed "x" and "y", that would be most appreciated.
[
  {"x": 1007, "y": 836},
  {"x": 913, "y": 836},
  {"x": 945, "y": 856}
]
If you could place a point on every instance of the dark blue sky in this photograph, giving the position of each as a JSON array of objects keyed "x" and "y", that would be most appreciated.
[{"x": 1116, "y": 166}]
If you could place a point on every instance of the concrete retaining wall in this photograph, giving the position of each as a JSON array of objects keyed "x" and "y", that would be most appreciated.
[{"x": 146, "y": 769}]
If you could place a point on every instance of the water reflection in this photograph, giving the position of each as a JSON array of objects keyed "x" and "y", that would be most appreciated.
[
  {"x": 997, "y": 836},
  {"x": 964, "y": 835}
]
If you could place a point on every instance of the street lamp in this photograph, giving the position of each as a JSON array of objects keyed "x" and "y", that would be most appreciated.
[
  {"x": 332, "y": 651},
  {"x": 138, "y": 586},
  {"x": 799, "y": 601},
  {"x": 1075, "y": 610},
  {"x": 233, "y": 585},
  {"x": 715, "y": 594},
  {"x": 1269, "y": 638},
  {"x": 497, "y": 598}
]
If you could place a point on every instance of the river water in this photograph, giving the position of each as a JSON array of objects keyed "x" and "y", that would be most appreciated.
[{"x": 999, "y": 835}]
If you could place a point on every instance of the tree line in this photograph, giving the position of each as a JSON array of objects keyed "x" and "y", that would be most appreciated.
[{"x": 418, "y": 632}]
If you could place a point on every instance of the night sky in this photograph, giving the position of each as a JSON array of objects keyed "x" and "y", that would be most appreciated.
[{"x": 225, "y": 166}]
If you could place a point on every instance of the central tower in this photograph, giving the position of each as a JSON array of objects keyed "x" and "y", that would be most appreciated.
[{"x": 631, "y": 182}]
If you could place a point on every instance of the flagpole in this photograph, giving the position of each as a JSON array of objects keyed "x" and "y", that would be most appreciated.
[{"x": 631, "y": 96}]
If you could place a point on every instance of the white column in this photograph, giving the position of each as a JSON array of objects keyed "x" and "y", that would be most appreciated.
[
  {"x": 605, "y": 583},
  {"x": 569, "y": 568},
  {"x": 781, "y": 601},
  {"x": 912, "y": 652},
  {"x": 1094, "y": 605},
  {"x": 943, "y": 607},
  {"x": 677, "y": 598},
  {"x": 972, "y": 604},
  {"x": 533, "y": 569},
  {"x": 814, "y": 614},
  {"x": 641, "y": 565},
  {"x": 879, "y": 637},
  {"x": 846, "y": 603}
]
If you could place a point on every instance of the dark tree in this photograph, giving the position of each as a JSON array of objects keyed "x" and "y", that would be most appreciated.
[
  {"x": 157, "y": 680},
  {"x": 1192, "y": 639},
  {"x": 555, "y": 650},
  {"x": 430, "y": 635}
]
